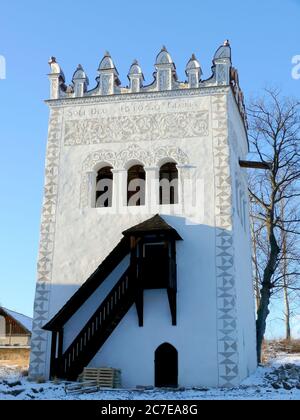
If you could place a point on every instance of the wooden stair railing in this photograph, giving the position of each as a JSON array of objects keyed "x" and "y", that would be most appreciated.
[{"x": 97, "y": 330}]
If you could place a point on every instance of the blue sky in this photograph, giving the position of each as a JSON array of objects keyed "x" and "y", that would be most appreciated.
[{"x": 264, "y": 36}]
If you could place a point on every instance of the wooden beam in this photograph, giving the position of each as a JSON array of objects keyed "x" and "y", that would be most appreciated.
[
  {"x": 255, "y": 165},
  {"x": 53, "y": 364},
  {"x": 60, "y": 343},
  {"x": 139, "y": 303},
  {"x": 172, "y": 296}
]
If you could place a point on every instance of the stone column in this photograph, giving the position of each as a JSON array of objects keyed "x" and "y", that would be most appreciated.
[
  {"x": 91, "y": 189},
  {"x": 152, "y": 189},
  {"x": 182, "y": 176},
  {"x": 190, "y": 191},
  {"x": 54, "y": 86},
  {"x": 119, "y": 189}
]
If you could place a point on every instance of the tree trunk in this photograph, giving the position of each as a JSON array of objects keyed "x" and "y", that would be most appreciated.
[
  {"x": 287, "y": 310},
  {"x": 256, "y": 281},
  {"x": 261, "y": 323},
  {"x": 265, "y": 293},
  {"x": 257, "y": 293},
  {"x": 287, "y": 314}
]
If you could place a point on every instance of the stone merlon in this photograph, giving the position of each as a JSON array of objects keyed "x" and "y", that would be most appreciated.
[{"x": 165, "y": 78}]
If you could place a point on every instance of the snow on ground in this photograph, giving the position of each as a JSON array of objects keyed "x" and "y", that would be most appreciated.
[
  {"x": 280, "y": 373},
  {"x": 284, "y": 359}
]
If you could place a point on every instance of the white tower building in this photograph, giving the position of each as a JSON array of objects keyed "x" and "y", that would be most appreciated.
[{"x": 145, "y": 255}]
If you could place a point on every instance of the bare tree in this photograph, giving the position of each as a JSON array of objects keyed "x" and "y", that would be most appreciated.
[
  {"x": 289, "y": 264},
  {"x": 275, "y": 139},
  {"x": 285, "y": 279},
  {"x": 255, "y": 258}
]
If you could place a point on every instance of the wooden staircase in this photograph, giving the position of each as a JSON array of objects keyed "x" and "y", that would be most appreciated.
[
  {"x": 152, "y": 249},
  {"x": 97, "y": 330}
]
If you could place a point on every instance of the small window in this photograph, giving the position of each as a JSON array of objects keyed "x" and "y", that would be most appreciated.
[
  {"x": 104, "y": 187},
  {"x": 136, "y": 186},
  {"x": 168, "y": 184}
]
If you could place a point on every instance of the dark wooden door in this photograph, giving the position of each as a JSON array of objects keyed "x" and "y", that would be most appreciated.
[
  {"x": 155, "y": 266},
  {"x": 166, "y": 367}
]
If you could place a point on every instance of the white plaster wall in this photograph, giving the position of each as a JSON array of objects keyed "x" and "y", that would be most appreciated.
[
  {"x": 245, "y": 299},
  {"x": 242, "y": 246},
  {"x": 84, "y": 237},
  {"x": 238, "y": 141},
  {"x": 194, "y": 336}
]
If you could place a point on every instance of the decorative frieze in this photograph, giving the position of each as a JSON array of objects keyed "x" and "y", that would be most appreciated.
[
  {"x": 39, "y": 341},
  {"x": 129, "y": 97},
  {"x": 228, "y": 356},
  {"x": 136, "y": 128}
]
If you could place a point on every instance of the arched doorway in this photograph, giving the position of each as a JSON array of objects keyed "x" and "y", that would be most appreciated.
[{"x": 166, "y": 366}]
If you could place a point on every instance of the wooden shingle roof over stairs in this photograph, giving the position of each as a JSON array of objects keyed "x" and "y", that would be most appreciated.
[{"x": 155, "y": 225}]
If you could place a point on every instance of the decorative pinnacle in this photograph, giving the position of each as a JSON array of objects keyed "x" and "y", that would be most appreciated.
[
  {"x": 193, "y": 57},
  {"x": 52, "y": 60},
  {"x": 227, "y": 43},
  {"x": 79, "y": 67},
  {"x": 164, "y": 48},
  {"x": 135, "y": 62},
  {"x": 106, "y": 54}
]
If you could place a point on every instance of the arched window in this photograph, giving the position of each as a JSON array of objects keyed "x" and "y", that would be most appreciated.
[
  {"x": 166, "y": 366},
  {"x": 168, "y": 184},
  {"x": 104, "y": 187},
  {"x": 136, "y": 188}
]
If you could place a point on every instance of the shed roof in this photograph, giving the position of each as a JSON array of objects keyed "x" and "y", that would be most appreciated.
[
  {"x": 154, "y": 225},
  {"x": 23, "y": 320}
]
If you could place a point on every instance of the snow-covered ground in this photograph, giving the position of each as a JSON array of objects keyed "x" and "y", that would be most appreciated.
[{"x": 282, "y": 373}]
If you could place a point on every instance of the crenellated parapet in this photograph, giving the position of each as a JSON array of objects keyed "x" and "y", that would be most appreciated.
[{"x": 165, "y": 78}]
